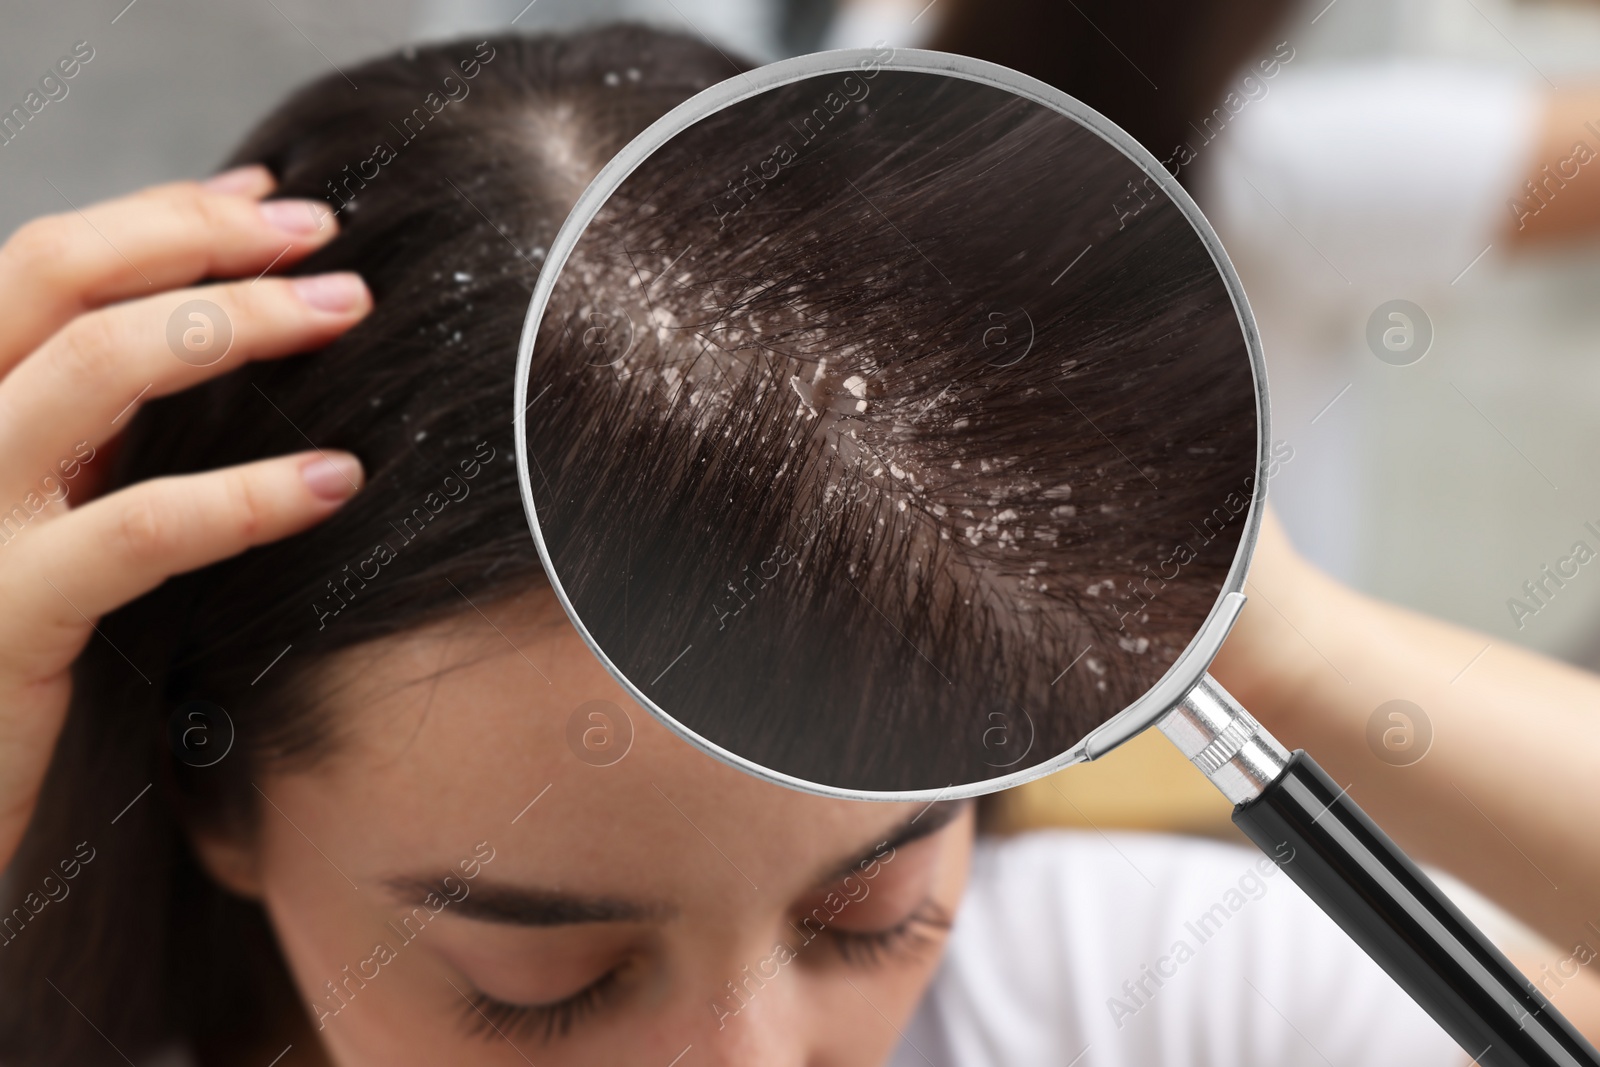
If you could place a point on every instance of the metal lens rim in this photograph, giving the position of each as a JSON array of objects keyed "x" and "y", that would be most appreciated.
[{"x": 1185, "y": 672}]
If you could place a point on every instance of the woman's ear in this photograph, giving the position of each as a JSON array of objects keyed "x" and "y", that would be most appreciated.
[{"x": 230, "y": 860}]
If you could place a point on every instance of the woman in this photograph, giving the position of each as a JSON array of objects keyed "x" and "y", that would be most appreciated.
[{"x": 401, "y": 854}]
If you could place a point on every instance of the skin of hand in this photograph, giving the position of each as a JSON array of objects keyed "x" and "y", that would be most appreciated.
[
  {"x": 87, "y": 300},
  {"x": 1505, "y": 794},
  {"x": 1564, "y": 199}
]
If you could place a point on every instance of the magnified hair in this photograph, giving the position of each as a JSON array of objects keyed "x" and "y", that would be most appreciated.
[{"x": 891, "y": 431}]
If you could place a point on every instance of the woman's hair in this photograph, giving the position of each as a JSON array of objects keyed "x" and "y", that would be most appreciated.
[
  {"x": 1001, "y": 527},
  {"x": 448, "y": 188},
  {"x": 1160, "y": 69}
]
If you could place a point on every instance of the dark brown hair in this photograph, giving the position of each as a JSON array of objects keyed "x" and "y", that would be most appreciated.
[
  {"x": 1157, "y": 68},
  {"x": 448, "y": 234},
  {"x": 452, "y": 168}
]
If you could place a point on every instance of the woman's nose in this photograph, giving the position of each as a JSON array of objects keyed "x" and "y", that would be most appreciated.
[
  {"x": 765, "y": 1032},
  {"x": 757, "y": 1015}
]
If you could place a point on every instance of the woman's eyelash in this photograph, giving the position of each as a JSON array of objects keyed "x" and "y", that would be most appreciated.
[
  {"x": 904, "y": 938},
  {"x": 485, "y": 1016}
]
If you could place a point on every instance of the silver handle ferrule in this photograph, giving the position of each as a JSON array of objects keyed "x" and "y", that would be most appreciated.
[{"x": 1218, "y": 736}]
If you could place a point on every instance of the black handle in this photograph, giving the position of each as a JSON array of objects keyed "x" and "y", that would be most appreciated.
[{"x": 1391, "y": 909}]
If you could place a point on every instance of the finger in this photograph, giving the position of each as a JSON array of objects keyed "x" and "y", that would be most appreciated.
[
  {"x": 58, "y": 266},
  {"x": 108, "y": 553},
  {"x": 118, "y": 547},
  {"x": 252, "y": 180},
  {"x": 83, "y": 385}
]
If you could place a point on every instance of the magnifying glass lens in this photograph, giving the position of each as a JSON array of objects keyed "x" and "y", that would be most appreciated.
[{"x": 889, "y": 430}]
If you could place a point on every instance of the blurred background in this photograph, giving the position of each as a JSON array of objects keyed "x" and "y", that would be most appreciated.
[{"x": 1406, "y": 187}]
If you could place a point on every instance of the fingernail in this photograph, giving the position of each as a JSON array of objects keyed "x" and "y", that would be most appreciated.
[
  {"x": 339, "y": 292},
  {"x": 296, "y": 216},
  {"x": 334, "y": 476},
  {"x": 245, "y": 179}
]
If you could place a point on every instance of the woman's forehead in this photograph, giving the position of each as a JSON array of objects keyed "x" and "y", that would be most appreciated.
[{"x": 462, "y": 732}]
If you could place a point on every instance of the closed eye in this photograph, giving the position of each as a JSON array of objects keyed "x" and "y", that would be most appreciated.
[
  {"x": 488, "y": 1017},
  {"x": 906, "y": 938}
]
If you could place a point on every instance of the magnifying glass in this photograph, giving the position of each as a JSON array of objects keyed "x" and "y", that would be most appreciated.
[{"x": 893, "y": 426}]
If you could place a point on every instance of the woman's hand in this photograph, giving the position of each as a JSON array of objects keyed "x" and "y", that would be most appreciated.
[
  {"x": 92, "y": 323},
  {"x": 1268, "y": 660},
  {"x": 1495, "y": 780}
]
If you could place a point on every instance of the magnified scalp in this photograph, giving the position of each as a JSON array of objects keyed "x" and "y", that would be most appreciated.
[{"x": 882, "y": 443}]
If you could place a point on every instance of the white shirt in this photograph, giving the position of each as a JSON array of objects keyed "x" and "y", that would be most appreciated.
[
  {"x": 1348, "y": 185},
  {"x": 1075, "y": 949},
  {"x": 1367, "y": 176}
]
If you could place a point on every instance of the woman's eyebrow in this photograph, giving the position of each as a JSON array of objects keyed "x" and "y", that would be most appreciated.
[
  {"x": 924, "y": 822},
  {"x": 529, "y": 906}
]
